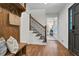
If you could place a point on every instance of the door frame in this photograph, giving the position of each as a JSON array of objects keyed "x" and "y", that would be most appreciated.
[{"x": 71, "y": 7}]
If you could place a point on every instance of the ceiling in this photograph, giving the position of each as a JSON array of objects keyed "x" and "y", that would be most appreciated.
[{"x": 51, "y": 8}]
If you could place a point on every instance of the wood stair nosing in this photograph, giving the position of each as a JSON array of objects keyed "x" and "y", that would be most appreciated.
[
  {"x": 38, "y": 34},
  {"x": 42, "y": 37},
  {"x": 35, "y": 32}
]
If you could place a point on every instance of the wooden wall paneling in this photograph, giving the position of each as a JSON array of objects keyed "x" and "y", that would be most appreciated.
[
  {"x": 0, "y": 25},
  {"x": 7, "y": 30}
]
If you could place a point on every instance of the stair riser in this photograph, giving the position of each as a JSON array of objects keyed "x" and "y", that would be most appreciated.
[{"x": 35, "y": 39}]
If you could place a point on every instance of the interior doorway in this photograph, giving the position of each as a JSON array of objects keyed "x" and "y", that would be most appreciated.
[{"x": 52, "y": 28}]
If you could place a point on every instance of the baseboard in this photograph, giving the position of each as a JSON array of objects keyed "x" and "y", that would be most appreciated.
[
  {"x": 72, "y": 53},
  {"x": 68, "y": 49}
]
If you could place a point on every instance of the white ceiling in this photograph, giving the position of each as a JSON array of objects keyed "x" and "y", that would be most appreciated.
[{"x": 51, "y": 8}]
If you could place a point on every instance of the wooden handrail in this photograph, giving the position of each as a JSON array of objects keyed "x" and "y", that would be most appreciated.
[{"x": 36, "y": 21}]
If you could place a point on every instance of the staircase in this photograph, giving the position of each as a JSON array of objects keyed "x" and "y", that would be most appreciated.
[{"x": 37, "y": 32}]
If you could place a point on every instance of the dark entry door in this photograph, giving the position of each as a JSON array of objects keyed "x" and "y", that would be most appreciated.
[{"x": 74, "y": 28}]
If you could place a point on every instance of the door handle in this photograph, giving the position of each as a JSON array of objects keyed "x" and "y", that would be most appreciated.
[{"x": 73, "y": 27}]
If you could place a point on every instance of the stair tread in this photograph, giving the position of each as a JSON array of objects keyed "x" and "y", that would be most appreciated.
[
  {"x": 36, "y": 38},
  {"x": 35, "y": 32},
  {"x": 38, "y": 35}
]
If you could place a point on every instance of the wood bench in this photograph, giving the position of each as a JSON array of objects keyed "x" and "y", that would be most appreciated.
[{"x": 21, "y": 51}]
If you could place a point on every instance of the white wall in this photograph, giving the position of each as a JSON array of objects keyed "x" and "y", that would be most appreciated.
[
  {"x": 39, "y": 15},
  {"x": 51, "y": 15},
  {"x": 63, "y": 26},
  {"x": 24, "y": 28}
]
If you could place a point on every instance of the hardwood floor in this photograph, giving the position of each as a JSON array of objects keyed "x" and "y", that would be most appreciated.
[{"x": 53, "y": 48}]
